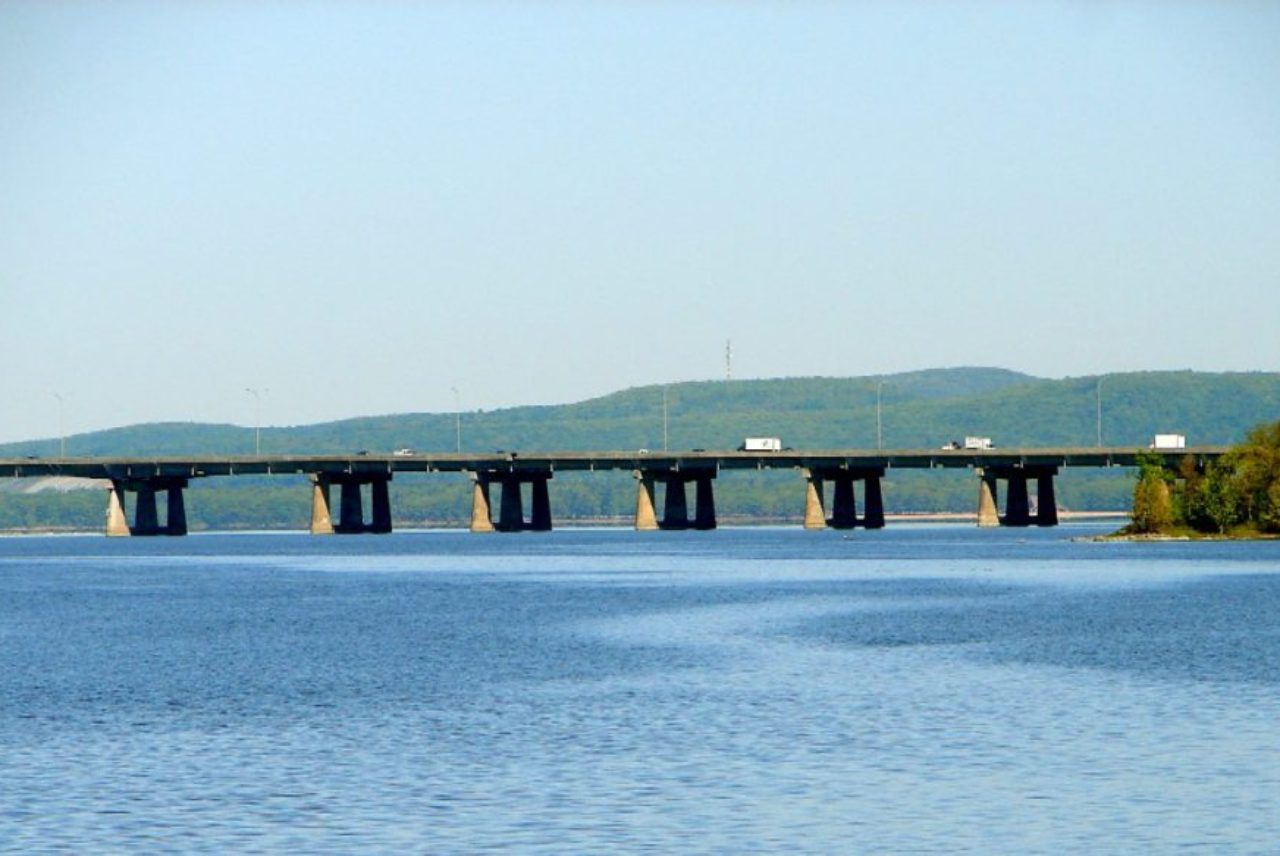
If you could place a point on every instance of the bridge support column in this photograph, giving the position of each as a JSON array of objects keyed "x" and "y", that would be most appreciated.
[
  {"x": 511, "y": 509},
  {"x": 146, "y": 520},
  {"x": 321, "y": 514},
  {"x": 815, "y": 516},
  {"x": 176, "y": 523},
  {"x": 873, "y": 516},
  {"x": 705, "y": 513},
  {"x": 481, "y": 514},
  {"x": 380, "y": 495},
  {"x": 146, "y": 516},
  {"x": 988, "y": 510},
  {"x": 675, "y": 506},
  {"x": 1017, "y": 504},
  {"x": 646, "y": 514},
  {"x": 117, "y": 519},
  {"x": 1046, "y": 501},
  {"x": 844, "y": 508},
  {"x": 351, "y": 508},
  {"x": 540, "y": 518}
]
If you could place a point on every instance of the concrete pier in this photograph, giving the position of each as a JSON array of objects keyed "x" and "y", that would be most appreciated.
[
  {"x": 350, "y": 503},
  {"x": 146, "y": 515},
  {"x": 815, "y": 515},
  {"x": 176, "y": 511},
  {"x": 511, "y": 502},
  {"x": 844, "y": 507},
  {"x": 873, "y": 500},
  {"x": 1046, "y": 501},
  {"x": 481, "y": 513},
  {"x": 540, "y": 515},
  {"x": 380, "y": 496},
  {"x": 988, "y": 496},
  {"x": 705, "y": 507},
  {"x": 1017, "y": 504},
  {"x": 646, "y": 513},
  {"x": 675, "y": 501},
  {"x": 321, "y": 515},
  {"x": 675, "y": 505},
  {"x": 1017, "y": 497}
]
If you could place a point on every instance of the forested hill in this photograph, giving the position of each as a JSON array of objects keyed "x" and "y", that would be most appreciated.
[{"x": 918, "y": 410}]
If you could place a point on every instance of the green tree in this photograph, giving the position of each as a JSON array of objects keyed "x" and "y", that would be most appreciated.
[
  {"x": 1152, "y": 500},
  {"x": 1222, "y": 503},
  {"x": 1256, "y": 474}
]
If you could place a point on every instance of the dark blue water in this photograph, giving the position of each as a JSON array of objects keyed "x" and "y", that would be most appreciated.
[{"x": 930, "y": 689}]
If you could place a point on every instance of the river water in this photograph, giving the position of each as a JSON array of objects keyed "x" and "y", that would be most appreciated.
[{"x": 918, "y": 689}]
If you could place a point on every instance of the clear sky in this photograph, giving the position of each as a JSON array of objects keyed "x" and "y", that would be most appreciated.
[{"x": 359, "y": 207}]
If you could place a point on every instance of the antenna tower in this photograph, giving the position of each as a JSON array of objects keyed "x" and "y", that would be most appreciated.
[{"x": 728, "y": 359}]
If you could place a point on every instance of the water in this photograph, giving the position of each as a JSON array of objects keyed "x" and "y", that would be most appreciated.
[{"x": 919, "y": 689}]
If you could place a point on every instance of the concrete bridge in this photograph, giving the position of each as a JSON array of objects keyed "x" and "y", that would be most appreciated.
[{"x": 843, "y": 469}]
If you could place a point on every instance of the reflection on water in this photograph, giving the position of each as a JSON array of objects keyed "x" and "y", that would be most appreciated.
[{"x": 939, "y": 689}]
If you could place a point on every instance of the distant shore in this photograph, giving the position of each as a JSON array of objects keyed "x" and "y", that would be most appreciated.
[{"x": 625, "y": 521}]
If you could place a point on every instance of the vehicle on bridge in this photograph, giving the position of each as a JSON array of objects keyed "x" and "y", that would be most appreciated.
[
  {"x": 969, "y": 444},
  {"x": 761, "y": 444}
]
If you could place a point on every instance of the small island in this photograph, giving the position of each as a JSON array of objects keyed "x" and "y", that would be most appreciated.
[{"x": 1235, "y": 497}]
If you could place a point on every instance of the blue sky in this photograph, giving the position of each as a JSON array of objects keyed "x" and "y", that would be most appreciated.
[{"x": 361, "y": 207}]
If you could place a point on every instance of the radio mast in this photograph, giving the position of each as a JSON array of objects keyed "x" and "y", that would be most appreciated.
[{"x": 728, "y": 359}]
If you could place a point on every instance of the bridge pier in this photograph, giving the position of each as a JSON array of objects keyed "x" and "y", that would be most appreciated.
[
  {"x": 350, "y": 503},
  {"x": 511, "y": 504},
  {"x": 1046, "y": 501},
  {"x": 1017, "y": 497},
  {"x": 146, "y": 517},
  {"x": 675, "y": 504},
  {"x": 646, "y": 515},
  {"x": 844, "y": 511},
  {"x": 988, "y": 499}
]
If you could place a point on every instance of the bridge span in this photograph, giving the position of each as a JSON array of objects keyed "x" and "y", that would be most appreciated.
[{"x": 843, "y": 469}]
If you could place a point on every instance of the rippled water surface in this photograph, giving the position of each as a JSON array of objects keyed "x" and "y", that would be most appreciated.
[{"x": 927, "y": 689}]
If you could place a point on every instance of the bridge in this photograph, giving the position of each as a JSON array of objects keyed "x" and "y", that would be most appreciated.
[{"x": 357, "y": 474}]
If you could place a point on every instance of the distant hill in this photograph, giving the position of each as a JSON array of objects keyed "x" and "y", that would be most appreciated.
[{"x": 918, "y": 409}]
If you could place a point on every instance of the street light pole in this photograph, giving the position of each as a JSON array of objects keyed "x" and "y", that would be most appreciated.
[
  {"x": 257, "y": 420},
  {"x": 457, "y": 418},
  {"x": 879, "y": 432},
  {"x": 62, "y": 431},
  {"x": 664, "y": 419},
  {"x": 1098, "y": 400}
]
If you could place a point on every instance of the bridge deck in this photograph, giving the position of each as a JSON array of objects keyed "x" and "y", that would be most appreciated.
[{"x": 195, "y": 466}]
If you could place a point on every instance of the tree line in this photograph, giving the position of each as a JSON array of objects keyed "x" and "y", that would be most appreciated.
[{"x": 1238, "y": 494}]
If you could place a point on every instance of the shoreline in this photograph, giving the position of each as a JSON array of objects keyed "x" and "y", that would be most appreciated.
[{"x": 604, "y": 522}]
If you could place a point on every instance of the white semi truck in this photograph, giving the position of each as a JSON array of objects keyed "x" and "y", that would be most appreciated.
[{"x": 761, "y": 444}]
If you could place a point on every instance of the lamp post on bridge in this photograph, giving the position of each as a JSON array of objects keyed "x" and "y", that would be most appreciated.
[
  {"x": 1098, "y": 400},
  {"x": 62, "y": 431},
  {"x": 257, "y": 419},
  {"x": 664, "y": 419},
  {"x": 457, "y": 418},
  {"x": 879, "y": 432}
]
